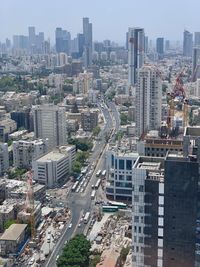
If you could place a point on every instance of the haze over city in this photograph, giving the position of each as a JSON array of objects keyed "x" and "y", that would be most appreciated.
[{"x": 110, "y": 19}]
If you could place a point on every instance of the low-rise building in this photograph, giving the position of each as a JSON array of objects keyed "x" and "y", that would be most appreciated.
[
  {"x": 7, "y": 126},
  {"x": 54, "y": 166},
  {"x": 24, "y": 152},
  {"x": 12, "y": 239}
]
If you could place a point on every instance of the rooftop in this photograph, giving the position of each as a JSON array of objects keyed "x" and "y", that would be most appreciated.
[
  {"x": 13, "y": 232},
  {"x": 52, "y": 156}
]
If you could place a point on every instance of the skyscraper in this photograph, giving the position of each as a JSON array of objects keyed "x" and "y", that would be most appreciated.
[
  {"x": 187, "y": 43},
  {"x": 196, "y": 63},
  {"x": 87, "y": 32},
  {"x": 167, "y": 45},
  {"x": 148, "y": 99},
  {"x": 31, "y": 35},
  {"x": 164, "y": 211},
  {"x": 50, "y": 122},
  {"x": 196, "y": 38},
  {"x": 63, "y": 41},
  {"x": 135, "y": 53},
  {"x": 160, "y": 47}
]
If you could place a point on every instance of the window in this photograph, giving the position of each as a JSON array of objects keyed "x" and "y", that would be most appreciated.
[
  {"x": 128, "y": 164},
  {"x": 161, "y": 200},
  {"x": 141, "y": 188},
  {"x": 139, "y": 229},
  {"x": 141, "y": 240},
  {"x": 115, "y": 164},
  {"x": 141, "y": 209},
  {"x": 121, "y": 164},
  {"x": 136, "y": 219},
  {"x": 129, "y": 178},
  {"x": 121, "y": 177},
  {"x": 112, "y": 161},
  {"x": 136, "y": 198}
]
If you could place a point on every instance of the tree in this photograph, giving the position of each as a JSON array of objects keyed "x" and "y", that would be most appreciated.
[
  {"x": 8, "y": 223},
  {"x": 123, "y": 118},
  {"x": 81, "y": 144},
  {"x": 75, "y": 253},
  {"x": 96, "y": 130},
  {"x": 76, "y": 167},
  {"x": 123, "y": 254},
  {"x": 82, "y": 156}
]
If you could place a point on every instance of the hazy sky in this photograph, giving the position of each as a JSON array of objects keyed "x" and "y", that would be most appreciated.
[{"x": 110, "y": 18}]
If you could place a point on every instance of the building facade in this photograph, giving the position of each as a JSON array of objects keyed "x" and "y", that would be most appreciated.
[
  {"x": 24, "y": 152},
  {"x": 87, "y": 32},
  {"x": 187, "y": 43},
  {"x": 148, "y": 100},
  {"x": 135, "y": 53},
  {"x": 50, "y": 122},
  {"x": 89, "y": 120}
]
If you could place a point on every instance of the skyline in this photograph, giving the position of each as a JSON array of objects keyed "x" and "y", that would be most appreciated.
[{"x": 113, "y": 28}]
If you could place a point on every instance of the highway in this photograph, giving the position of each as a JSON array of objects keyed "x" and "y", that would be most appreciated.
[{"x": 80, "y": 203}]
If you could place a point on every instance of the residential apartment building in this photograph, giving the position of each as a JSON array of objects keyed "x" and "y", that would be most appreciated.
[
  {"x": 50, "y": 122},
  {"x": 7, "y": 126},
  {"x": 89, "y": 120},
  {"x": 148, "y": 100},
  {"x": 24, "y": 152}
]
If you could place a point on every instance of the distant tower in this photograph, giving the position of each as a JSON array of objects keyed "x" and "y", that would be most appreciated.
[
  {"x": 196, "y": 38},
  {"x": 187, "y": 44},
  {"x": 196, "y": 63},
  {"x": 160, "y": 47},
  {"x": 148, "y": 99},
  {"x": 87, "y": 32},
  {"x": 135, "y": 53}
]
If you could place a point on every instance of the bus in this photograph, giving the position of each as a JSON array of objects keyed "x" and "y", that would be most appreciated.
[
  {"x": 110, "y": 208},
  {"x": 98, "y": 173},
  {"x": 97, "y": 184},
  {"x": 93, "y": 194},
  {"x": 120, "y": 205},
  {"x": 103, "y": 173},
  {"x": 74, "y": 187},
  {"x": 86, "y": 218}
]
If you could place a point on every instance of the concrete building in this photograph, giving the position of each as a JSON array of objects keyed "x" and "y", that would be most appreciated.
[
  {"x": 12, "y": 239},
  {"x": 135, "y": 53},
  {"x": 196, "y": 38},
  {"x": 50, "y": 122},
  {"x": 196, "y": 63},
  {"x": 161, "y": 203},
  {"x": 7, "y": 126},
  {"x": 24, "y": 152},
  {"x": 53, "y": 167},
  {"x": 4, "y": 158},
  {"x": 187, "y": 43},
  {"x": 148, "y": 100},
  {"x": 89, "y": 120}
]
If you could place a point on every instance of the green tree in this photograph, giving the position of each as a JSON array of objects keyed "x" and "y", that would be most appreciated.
[
  {"x": 76, "y": 167},
  {"x": 8, "y": 223},
  {"x": 123, "y": 254},
  {"x": 75, "y": 253},
  {"x": 81, "y": 156},
  {"x": 81, "y": 144},
  {"x": 96, "y": 130},
  {"x": 123, "y": 118}
]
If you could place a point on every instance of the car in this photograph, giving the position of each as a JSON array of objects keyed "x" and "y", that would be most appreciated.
[
  {"x": 57, "y": 258},
  {"x": 70, "y": 226},
  {"x": 79, "y": 225}
]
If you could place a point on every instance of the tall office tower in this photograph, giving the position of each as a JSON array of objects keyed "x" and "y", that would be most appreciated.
[
  {"x": 40, "y": 42},
  {"x": 20, "y": 42},
  {"x": 81, "y": 41},
  {"x": 50, "y": 122},
  {"x": 187, "y": 43},
  {"x": 148, "y": 99},
  {"x": 196, "y": 63},
  {"x": 146, "y": 44},
  {"x": 164, "y": 211},
  {"x": 126, "y": 44},
  {"x": 31, "y": 35},
  {"x": 135, "y": 53},
  {"x": 160, "y": 47},
  {"x": 87, "y": 32},
  {"x": 63, "y": 40},
  {"x": 196, "y": 38},
  {"x": 167, "y": 45}
]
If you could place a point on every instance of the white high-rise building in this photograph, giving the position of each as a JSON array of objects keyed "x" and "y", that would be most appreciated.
[
  {"x": 50, "y": 122},
  {"x": 148, "y": 100},
  {"x": 135, "y": 53}
]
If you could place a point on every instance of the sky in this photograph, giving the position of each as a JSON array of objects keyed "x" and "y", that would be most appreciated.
[{"x": 110, "y": 18}]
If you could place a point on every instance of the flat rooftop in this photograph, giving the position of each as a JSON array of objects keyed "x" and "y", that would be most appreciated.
[
  {"x": 51, "y": 156},
  {"x": 13, "y": 232}
]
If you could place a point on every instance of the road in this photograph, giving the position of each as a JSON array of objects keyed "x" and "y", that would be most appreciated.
[{"x": 80, "y": 203}]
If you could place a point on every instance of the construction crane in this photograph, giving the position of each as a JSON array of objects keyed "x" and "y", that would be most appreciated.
[
  {"x": 30, "y": 203},
  {"x": 179, "y": 94}
]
